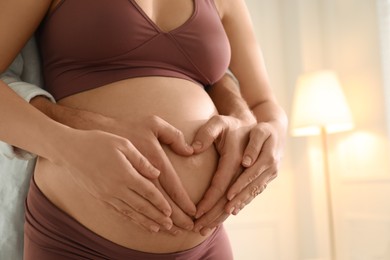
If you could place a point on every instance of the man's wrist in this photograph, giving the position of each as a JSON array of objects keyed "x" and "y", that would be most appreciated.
[
  {"x": 227, "y": 98},
  {"x": 72, "y": 117},
  {"x": 43, "y": 104},
  {"x": 28, "y": 91}
]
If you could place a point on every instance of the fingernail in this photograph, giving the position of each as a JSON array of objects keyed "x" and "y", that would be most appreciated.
[
  {"x": 167, "y": 225},
  {"x": 231, "y": 196},
  {"x": 189, "y": 148},
  {"x": 205, "y": 231},
  {"x": 198, "y": 228},
  {"x": 167, "y": 212},
  {"x": 236, "y": 211},
  {"x": 189, "y": 227},
  {"x": 247, "y": 161},
  {"x": 154, "y": 228},
  {"x": 231, "y": 210},
  {"x": 155, "y": 172},
  {"x": 193, "y": 212},
  {"x": 176, "y": 232},
  {"x": 197, "y": 145},
  {"x": 199, "y": 214}
]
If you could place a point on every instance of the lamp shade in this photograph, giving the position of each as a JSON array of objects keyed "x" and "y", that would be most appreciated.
[{"x": 318, "y": 103}]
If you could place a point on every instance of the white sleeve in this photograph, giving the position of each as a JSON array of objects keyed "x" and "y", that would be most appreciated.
[
  {"x": 24, "y": 67},
  {"x": 28, "y": 91}
]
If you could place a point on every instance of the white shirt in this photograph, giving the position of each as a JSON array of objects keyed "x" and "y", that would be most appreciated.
[{"x": 16, "y": 165}]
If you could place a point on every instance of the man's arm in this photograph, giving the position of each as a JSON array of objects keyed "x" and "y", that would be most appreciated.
[{"x": 26, "y": 65}]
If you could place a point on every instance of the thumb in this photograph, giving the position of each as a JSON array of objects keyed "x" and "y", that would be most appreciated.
[
  {"x": 173, "y": 137},
  {"x": 208, "y": 133}
]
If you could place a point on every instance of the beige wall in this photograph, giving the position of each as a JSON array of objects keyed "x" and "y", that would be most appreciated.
[
  {"x": 360, "y": 159},
  {"x": 344, "y": 36}
]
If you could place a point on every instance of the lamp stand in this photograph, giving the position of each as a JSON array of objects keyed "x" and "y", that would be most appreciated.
[{"x": 328, "y": 194}]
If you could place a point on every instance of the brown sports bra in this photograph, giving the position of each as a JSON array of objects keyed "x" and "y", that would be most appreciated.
[{"x": 86, "y": 44}]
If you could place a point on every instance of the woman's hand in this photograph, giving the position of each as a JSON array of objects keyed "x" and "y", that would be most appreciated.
[
  {"x": 230, "y": 137},
  {"x": 261, "y": 160},
  {"x": 212, "y": 218},
  {"x": 111, "y": 169},
  {"x": 146, "y": 135},
  {"x": 249, "y": 157}
]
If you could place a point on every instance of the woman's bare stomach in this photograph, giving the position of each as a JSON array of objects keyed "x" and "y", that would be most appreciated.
[{"x": 181, "y": 103}]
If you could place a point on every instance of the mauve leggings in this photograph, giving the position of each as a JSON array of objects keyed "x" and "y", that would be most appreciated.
[{"x": 51, "y": 234}]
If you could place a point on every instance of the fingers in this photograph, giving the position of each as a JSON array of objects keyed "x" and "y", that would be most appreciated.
[
  {"x": 256, "y": 177},
  {"x": 266, "y": 160},
  {"x": 257, "y": 137},
  {"x": 173, "y": 186},
  {"x": 179, "y": 218},
  {"x": 212, "y": 218},
  {"x": 228, "y": 168},
  {"x": 169, "y": 180},
  {"x": 208, "y": 133},
  {"x": 138, "y": 211},
  {"x": 148, "y": 191},
  {"x": 245, "y": 197},
  {"x": 168, "y": 177},
  {"x": 250, "y": 188},
  {"x": 245, "y": 179},
  {"x": 221, "y": 218},
  {"x": 139, "y": 162},
  {"x": 171, "y": 136},
  {"x": 140, "y": 167},
  {"x": 230, "y": 138}
]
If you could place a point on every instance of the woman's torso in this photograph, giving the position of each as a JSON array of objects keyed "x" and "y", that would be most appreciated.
[{"x": 181, "y": 102}]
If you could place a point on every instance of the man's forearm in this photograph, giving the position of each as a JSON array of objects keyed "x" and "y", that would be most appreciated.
[
  {"x": 75, "y": 118},
  {"x": 228, "y": 100},
  {"x": 225, "y": 95},
  {"x": 20, "y": 122}
]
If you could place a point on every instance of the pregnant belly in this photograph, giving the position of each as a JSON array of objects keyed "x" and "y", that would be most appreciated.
[{"x": 181, "y": 103}]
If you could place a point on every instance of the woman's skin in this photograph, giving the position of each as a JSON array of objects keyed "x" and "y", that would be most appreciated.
[
  {"x": 231, "y": 106},
  {"x": 246, "y": 65},
  {"x": 130, "y": 100}
]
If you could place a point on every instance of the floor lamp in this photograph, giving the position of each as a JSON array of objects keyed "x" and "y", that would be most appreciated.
[{"x": 320, "y": 108}]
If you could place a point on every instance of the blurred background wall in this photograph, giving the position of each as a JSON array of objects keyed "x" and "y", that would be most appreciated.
[{"x": 290, "y": 219}]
